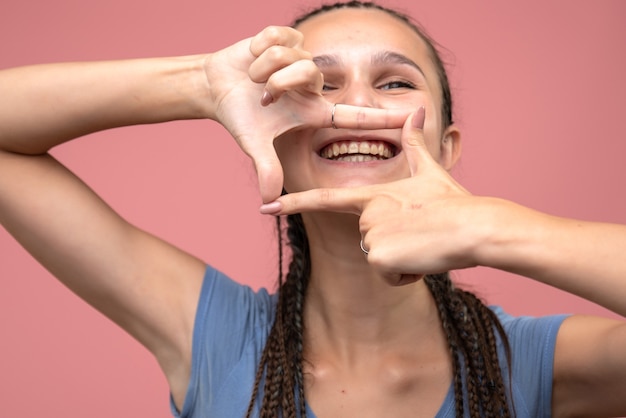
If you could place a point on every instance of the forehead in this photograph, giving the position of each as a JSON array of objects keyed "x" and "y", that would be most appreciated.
[{"x": 347, "y": 32}]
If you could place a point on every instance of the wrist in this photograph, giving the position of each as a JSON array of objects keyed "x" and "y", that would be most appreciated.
[
  {"x": 189, "y": 78},
  {"x": 511, "y": 237},
  {"x": 206, "y": 96}
]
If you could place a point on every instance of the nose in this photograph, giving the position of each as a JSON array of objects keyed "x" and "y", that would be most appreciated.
[{"x": 357, "y": 92}]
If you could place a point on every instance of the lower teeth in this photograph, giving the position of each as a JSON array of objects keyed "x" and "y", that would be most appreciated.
[{"x": 354, "y": 158}]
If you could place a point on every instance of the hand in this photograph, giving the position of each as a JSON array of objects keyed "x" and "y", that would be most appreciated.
[
  {"x": 267, "y": 85},
  {"x": 419, "y": 225}
]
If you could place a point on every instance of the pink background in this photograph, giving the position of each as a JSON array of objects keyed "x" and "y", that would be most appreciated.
[{"x": 539, "y": 95}]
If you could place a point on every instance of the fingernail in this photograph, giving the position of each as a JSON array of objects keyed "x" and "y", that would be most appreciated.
[
  {"x": 266, "y": 98},
  {"x": 418, "y": 119},
  {"x": 270, "y": 208}
]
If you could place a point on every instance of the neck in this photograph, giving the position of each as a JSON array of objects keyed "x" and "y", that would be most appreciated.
[{"x": 350, "y": 308}]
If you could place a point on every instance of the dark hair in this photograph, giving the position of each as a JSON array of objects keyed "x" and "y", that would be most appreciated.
[{"x": 470, "y": 326}]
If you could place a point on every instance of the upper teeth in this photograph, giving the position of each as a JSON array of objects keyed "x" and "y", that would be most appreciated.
[{"x": 368, "y": 148}]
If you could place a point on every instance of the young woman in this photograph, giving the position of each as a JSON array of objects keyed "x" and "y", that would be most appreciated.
[{"x": 350, "y": 112}]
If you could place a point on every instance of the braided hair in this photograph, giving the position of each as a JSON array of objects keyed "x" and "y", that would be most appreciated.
[
  {"x": 281, "y": 360},
  {"x": 472, "y": 329}
]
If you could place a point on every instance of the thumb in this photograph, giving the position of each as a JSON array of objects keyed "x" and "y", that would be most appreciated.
[
  {"x": 269, "y": 172},
  {"x": 413, "y": 144}
]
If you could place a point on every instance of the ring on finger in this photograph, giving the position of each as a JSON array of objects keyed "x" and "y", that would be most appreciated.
[
  {"x": 332, "y": 117},
  {"x": 366, "y": 252}
]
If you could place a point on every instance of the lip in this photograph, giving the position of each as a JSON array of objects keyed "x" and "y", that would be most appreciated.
[{"x": 395, "y": 144}]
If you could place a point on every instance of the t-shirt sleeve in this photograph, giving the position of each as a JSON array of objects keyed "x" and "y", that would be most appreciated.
[
  {"x": 532, "y": 341},
  {"x": 231, "y": 322}
]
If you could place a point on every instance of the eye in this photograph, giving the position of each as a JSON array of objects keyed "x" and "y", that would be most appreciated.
[
  {"x": 327, "y": 87},
  {"x": 397, "y": 85}
]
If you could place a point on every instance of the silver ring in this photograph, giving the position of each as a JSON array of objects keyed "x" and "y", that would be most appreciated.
[
  {"x": 332, "y": 117},
  {"x": 363, "y": 248}
]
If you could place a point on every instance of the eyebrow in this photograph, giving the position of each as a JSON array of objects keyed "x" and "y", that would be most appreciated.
[
  {"x": 380, "y": 58},
  {"x": 325, "y": 61},
  {"x": 390, "y": 57}
]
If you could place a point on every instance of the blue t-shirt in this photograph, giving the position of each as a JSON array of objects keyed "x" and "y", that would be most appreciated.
[{"x": 233, "y": 322}]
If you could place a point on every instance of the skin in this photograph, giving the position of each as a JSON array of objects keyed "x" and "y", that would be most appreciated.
[{"x": 362, "y": 326}]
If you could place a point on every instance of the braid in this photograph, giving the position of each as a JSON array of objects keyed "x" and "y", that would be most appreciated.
[
  {"x": 437, "y": 286},
  {"x": 470, "y": 328},
  {"x": 281, "y": 360},
  {"x": 298, "y": 276}
]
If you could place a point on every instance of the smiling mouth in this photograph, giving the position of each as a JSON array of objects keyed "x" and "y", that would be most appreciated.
[{"x": 358, "y": 151}]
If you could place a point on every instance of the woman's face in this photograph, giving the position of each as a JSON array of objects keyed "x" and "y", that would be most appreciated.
[{"x": 369, "y": 59}]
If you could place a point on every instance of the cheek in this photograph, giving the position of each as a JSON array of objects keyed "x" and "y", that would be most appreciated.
[
  {"x": 287, "y": 146},
  {"x": 432, "y": 139},
  {"x": 292, "y": 151},
  {"x": 410, "y": 101}
]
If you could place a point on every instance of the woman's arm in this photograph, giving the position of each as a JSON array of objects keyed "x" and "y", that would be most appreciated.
[
  {"x": 588, "y": 260},
  {"x": 45, "y": 105},
  {"x": 145, "y": 285},
  {"x": 583, "y": 258}
]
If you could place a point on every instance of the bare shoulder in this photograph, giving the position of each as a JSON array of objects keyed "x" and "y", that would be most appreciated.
[{"x": 590, "y": 368}]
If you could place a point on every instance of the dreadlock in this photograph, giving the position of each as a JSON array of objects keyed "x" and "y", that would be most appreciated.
[{"x": 471, "y": 328}]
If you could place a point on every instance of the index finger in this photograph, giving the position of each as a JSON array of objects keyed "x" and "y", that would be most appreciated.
[
  {"x": 345, "y": 200},
  {"x": 355, "y": 117}
]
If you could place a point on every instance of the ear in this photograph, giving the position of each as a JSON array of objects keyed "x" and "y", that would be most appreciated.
[{"x": 450, "y": 148}]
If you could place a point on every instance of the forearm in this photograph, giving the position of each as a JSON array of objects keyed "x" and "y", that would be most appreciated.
[
  {"x": 587, "y": 259},
  {"x": 44, "y": 105}
]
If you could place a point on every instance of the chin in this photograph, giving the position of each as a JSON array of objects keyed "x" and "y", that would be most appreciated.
[{"x": 355, "y": 174}]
